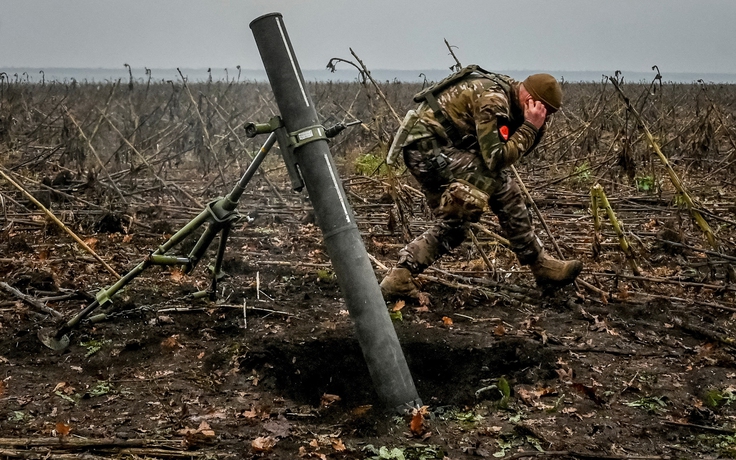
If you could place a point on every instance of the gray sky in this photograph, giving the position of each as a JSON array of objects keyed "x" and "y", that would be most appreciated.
[{"x": 676, "y": 35}]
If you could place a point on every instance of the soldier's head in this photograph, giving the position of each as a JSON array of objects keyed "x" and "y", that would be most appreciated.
[{"x": 542, "y": 87}]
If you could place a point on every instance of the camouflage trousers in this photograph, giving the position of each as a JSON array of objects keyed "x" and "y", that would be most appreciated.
[{"x": 448, "y": 232}]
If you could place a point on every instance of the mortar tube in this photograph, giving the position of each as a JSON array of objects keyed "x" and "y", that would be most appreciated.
[{"x": 375, "y": 332}]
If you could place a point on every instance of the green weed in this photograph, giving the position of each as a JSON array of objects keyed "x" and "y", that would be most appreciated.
[
  {"x": 582, "y": 173},
  {"x": 415, "y": 452},
  {"x": 93, "y": 346},
  {"x": 325, "y": 276},
  {"x": 720, "y": 398},
  {"x": 645, "y": 184},
  {"x": 102, "y": 388},
  {"x": 369, "y": 162},
  {"x": 652, "y": 404}
]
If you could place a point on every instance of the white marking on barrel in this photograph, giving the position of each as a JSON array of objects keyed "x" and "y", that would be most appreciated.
[
  {"x": 291, "y": 58},
  {"x": 337, "y": 188}
]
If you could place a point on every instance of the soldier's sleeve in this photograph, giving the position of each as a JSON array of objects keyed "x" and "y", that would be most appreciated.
[{"x": 492, "y": 112}]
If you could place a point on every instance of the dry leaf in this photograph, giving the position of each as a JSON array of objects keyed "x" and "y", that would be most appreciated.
[
  {"x": 499, "y": 330},
  {"x": 564, "y": 374},
  {"x": 314, "y": 443},
  {"x": 205, "y": 429},
  {"x": 417, "y": 424},
  {"x": 62, "y": 429},
  {"x": 362, "y": 410},
  {"x": 278, "y": 428},
  {"x": 417, "y": 421},
  {"x": 91, "y": 242},
  {"x": 176, "y": 275},
  {"x": 589, "y": 392},
  {"x": 264, "y": 413},
  {"x": 327, "y": 400},
  {"x": 172, "y": 343},
  {"x": 447, "y": 321},
  {"x": 127, "y": 238},
  {"x": 421, "y": 309},
  {"x": 398, "y": 305},
  {"x": 263, "y": 444},
  {"x": 424, "y": 299},
  {"x": 338, "y": 445}
]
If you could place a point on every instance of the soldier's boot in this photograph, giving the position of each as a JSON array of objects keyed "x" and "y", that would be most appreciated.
[
  {"x": 550, "y": 271},
  {"x": 399, "y": 282}
]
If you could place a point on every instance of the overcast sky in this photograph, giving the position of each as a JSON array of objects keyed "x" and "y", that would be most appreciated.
[{"x": 634, "y": 35}]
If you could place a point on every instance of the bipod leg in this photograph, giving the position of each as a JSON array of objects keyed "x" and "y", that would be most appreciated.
[
  {"x": 59, "y": 339},
  {"x": 217, "y": 273},
  {"x": 220, "y": 213}
]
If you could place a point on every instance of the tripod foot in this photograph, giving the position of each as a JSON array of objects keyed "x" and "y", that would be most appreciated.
[{"x": 48, "y": 337}]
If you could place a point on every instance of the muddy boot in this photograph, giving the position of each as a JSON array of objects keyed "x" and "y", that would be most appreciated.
[
  {"x": 399, "y": 283},
  {"x": 550, "y": 271}
]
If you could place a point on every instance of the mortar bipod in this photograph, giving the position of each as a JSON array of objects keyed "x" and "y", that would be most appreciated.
[{"x": 220, "y": 215}]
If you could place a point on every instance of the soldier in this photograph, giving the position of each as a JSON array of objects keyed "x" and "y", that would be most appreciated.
[{"x": 459, "y": 145}]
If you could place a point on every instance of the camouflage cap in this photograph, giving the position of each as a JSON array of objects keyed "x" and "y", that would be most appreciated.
[{"x": 544, "y": 87}]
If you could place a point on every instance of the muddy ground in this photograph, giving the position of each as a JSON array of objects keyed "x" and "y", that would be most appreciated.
[{"x": 505, "y": 370}]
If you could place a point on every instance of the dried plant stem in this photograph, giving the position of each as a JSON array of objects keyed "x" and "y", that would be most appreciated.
[
  {"x": 59, "y": 223},
  {"x": 94, "y": 152},
  {"x": 487, "y": 261},
  {"x": 204, "y": 128},
  {"x": 143, "y": 159},
  {"x": 599, "y": 198},
  {"x": 670, "y": 171},
  {"x": 30, "y": 300},
  {"x": 529, "y": 198}
]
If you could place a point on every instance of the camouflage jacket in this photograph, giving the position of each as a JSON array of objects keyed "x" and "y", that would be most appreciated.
[{"x": 480, "y": 107}]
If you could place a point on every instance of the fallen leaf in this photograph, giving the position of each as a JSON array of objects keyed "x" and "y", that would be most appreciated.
[
  {"x": 417, "y": 424},
  {"x": 565, "y": 374},
  {"x": 421, "y": 309},
  {"x": 424, "y": 299},
  {"x": 263, "y": 444},
  {"x": 278, "y": 428},
  {"x": 327, "y": 400},
  {"x": 256, "y": 413},
  {"x": 362, "y": 410},
  {"x": 91, "y": 242},
  {"x": 417, "y": 421},
  {"x": 398, "y": 305},
  {"x": 127, "y": 238},
  {"x": 176, "y": 275},
  {"x": 499, "y": 330},
  {"x": 172, "y": 343},
  {"x": 205, "y": 429},
  {"x": 589, "y": 392},
  {"x": 62, "y": 429},
  {"x": 447, "y": 321},
  {"x": 338, "y": 445}
]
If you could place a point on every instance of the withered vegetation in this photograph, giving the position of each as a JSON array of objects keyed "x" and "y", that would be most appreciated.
[{"x": 636, "y": 361}]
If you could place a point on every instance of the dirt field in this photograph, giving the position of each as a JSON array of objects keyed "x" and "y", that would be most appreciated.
[{"x": 633, "y": 367}]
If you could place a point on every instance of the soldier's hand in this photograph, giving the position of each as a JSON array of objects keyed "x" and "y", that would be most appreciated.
[{"x": 535, "y": 113}]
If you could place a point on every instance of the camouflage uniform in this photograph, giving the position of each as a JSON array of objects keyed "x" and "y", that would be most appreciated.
[{"x": 487, "y": 116}]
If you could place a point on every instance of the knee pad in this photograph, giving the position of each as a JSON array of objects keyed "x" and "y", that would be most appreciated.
[{"x": 462, "y": 200}]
